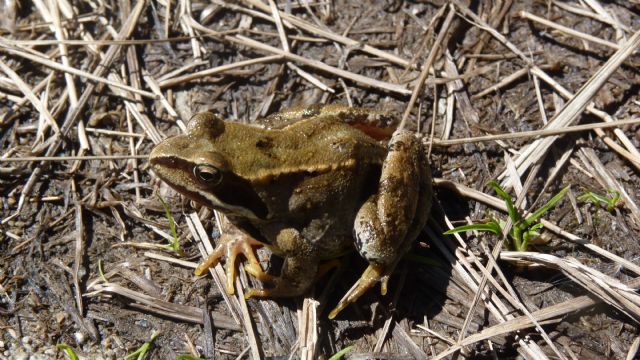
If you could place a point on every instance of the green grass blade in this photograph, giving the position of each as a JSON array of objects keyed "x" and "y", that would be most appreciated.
[
  {"x": 68, "y": 350},
  {"x": 142, "y": 350},
  {"x": 546, "y": 207},
  {"x": 341, "y": 353},
  {"x": 491, "y": 226},
  {"x": 175, "y": 244},
  {"x": 613, "y": 203},
  {"x": 188, "y": 357},
  {"x": 511, "y": 209}
]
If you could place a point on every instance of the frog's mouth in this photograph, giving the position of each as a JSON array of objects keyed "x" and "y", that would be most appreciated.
[{"x": 230, "y": 196}]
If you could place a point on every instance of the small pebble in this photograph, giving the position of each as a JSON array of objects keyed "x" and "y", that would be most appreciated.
[
  {"x": 80, "y": 338},
  {"x": 60, "y": 317}
]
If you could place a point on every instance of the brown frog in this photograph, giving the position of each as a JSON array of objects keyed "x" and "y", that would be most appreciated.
[{"x": 311, "y": 184}]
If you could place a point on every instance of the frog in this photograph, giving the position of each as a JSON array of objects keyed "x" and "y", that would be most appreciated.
[{"x": 309, "y": 183}]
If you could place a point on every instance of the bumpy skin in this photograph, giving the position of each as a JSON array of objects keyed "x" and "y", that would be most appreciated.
[{"x": 304, "y": 184}]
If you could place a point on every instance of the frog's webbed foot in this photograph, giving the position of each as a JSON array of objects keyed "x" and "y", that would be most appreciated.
[
  {"x": 369, "y": 278},
  {"x": 281, "y": 289},
  {"x": 298, "y": 273},
  {"x": 284, "y": 286},
  {"x": 230, "y": 246}
]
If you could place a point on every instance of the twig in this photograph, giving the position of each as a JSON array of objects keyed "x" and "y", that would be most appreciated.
[
  {"x": 536, "y": 133},
  {"x": 435, "y": 50},
  {"x": 568, "y": 31},
  {"x": 74, "y": 158}
]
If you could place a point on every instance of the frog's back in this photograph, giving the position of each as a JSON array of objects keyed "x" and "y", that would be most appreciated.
[
  {"x": 310, "y": 145},
  {"x": 324, "y": 141}
]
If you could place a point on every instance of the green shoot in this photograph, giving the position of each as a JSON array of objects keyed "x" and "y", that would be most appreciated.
[
  {"x": 611, "y": 202},
  {"x": 523, "y": 229},
  {"x": 142, "y": 350},
  {"x": 71, "y": 354},
  {"x": 187, "y": 357},
  {"x": 104, "y": 278},
  {"x": 341, "y": 353},
  {"x": 175, "y": 244}
]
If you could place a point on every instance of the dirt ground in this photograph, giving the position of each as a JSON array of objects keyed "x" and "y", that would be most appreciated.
[{"x": 87, "y": 89}]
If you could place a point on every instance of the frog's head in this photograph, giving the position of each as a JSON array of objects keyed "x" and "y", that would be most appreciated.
[{"x": 195, "y": 165}]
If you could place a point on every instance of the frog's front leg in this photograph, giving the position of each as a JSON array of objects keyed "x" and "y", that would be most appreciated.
[
  {"x": 298, "y": 271},
  {"x": 390, "y": 220}
]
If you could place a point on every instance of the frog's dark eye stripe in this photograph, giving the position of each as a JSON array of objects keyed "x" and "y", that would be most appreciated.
[{"x": 208, "y": 174}]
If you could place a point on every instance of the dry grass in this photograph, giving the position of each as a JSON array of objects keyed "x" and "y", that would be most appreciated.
[{"x": 540, "y": 97}]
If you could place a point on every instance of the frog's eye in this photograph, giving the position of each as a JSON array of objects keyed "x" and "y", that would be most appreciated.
[{"x": 208, "y": 174}]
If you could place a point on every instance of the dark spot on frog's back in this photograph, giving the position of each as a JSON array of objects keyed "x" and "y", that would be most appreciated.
[{"x": 264, "y": 143}]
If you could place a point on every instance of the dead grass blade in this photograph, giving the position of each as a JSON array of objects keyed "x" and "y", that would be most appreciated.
[
  {"x": 550, "y": 314},
  {"x": 606, "y": 288},
  {"x": 28, "y": 93},
  {"x": 536, "y": 133},
  {"x": 79, "y": 252},
  {"x": 435, "y": 50},
  {"x": 363, "y": 80},
  {"x": 237, "y": 306},
  {"x": 71, "y": 70},
  {"x": 308, "y": 329},
  {"x": 178, "y": 80},
  {"x": 161, "y": 307},
  {"x": 325, "y": 33},
  {"x": 576, "y": 105},
  {"x": 72, "y": 117},
  {"x": 568, "y": 31}
]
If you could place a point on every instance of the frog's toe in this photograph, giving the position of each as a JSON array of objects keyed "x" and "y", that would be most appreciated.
[
  {"x": 255, "y": 270},
  {"x": 212, "y": 260},
  {"x": 230, "y": 248},
  {"x": 369, "y": 278}
]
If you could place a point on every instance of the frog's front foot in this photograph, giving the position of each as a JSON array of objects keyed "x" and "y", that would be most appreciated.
[
  {"x": 369, "y": 278},
  {"x": 230, "y": 246}
]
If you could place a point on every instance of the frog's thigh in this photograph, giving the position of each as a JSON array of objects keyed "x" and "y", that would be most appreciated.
[
  {"x": 386, "y": 223},
  {"x": 299, "y": 269}
]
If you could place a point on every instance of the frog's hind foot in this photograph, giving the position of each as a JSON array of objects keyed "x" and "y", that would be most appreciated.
[
  {"x": 298, "y": 273},
  {"x": 372, "y": 275},
  {"x": 280, "y": 289},
  {"x": 230, "y": 246}
]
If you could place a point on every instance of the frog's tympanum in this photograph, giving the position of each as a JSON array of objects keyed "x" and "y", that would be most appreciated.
[{"x": 310, "y": 184}]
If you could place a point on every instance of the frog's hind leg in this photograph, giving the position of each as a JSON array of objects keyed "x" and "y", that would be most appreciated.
[
  {"x": 390, "y": 220},
  {"x": 298, "y": 271}
]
